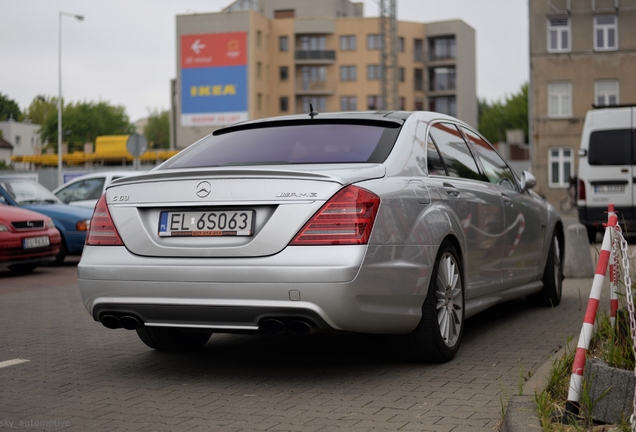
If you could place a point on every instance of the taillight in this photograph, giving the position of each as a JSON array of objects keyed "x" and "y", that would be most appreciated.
[
  {"x": 581, "y": 190},
  {"x": 102, "y": 231},
  {"x": 346, "y": 219}
]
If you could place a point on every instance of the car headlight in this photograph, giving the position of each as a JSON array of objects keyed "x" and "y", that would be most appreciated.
[
  {"x": 50, "y": 223},
  {"x": 83, "y": 225},
  {"x": 3, "y": 228}
]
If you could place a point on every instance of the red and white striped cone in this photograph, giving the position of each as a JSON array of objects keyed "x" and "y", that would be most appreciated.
[
  {"x": 614, "y": 274},
  {"x": 576, "y": 380}
]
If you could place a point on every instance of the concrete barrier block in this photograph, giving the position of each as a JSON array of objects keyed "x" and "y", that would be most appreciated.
[
  {"x": 578, "y": 259},
  {"x": 611, "y": 390}
]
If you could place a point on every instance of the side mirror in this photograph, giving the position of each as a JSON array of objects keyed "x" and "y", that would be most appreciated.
[{"x": 528, "y": 181}]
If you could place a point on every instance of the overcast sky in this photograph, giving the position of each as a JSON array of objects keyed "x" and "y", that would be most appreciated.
[{"x": 124, "y": 51}]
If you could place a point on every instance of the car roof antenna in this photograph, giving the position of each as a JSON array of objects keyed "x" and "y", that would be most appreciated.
[{"x": 312, "y": 113}]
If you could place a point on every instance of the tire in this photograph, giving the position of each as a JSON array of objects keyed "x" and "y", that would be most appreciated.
[
  {"x": 173, "y": 339},
  {"x": 23, "y": 268},
  {"x": 552, "y": 290},
  {"x": 61, "y": 255},
  {"x": 438, "y": 335}
]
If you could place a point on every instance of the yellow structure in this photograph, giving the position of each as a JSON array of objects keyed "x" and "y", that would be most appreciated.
[{"x": 108, "y": 149}]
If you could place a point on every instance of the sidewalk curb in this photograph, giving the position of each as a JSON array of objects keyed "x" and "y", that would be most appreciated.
[{"x": 521, "y": 413}]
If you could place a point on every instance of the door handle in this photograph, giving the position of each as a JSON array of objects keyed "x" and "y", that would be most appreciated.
[
  {"x": 507, "y": 200},
  {"x": 451, "y": 190}
]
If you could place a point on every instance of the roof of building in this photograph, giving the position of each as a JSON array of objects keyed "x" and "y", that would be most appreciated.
[{"x": 5, "y": 144}]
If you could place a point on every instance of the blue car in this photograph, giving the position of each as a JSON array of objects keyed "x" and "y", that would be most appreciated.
[{"x": 71, "y": 221}]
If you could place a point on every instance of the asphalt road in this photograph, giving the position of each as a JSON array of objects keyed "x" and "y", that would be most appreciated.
[{"x": 82, "y": 376}]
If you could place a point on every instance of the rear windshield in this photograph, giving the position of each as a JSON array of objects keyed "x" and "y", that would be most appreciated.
[
  {"x": 611, "y": 147},
  {"x": 292, "y": 144}
]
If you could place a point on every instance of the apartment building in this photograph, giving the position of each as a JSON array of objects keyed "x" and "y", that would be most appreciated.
[
  {"x": 260, "y": 58},
  {"x": 582, "y": 53}
]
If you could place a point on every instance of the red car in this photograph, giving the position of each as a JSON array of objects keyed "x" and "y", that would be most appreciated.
[{"x": 27, "y": 239}]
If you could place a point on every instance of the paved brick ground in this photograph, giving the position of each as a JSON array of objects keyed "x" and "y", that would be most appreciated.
[{"x": 94, "y": 378}]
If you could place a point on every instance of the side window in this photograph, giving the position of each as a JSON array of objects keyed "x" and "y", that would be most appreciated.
[
  {"x": 82, "y": 190},
  {"x": 496, "y": 169},
  {"x": 455, "y": 152}
]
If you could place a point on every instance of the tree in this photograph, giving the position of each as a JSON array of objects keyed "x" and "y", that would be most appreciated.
[
  {"x": 512, "y": 113},
  {"x": 157, "y": 131},
  {"x": 84, "y": 121},
  {"x": 9, "y": 109},
  {"x": 41, "y": 108}
]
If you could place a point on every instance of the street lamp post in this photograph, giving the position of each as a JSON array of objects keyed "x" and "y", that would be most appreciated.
[{"x": 59, "y": 99}]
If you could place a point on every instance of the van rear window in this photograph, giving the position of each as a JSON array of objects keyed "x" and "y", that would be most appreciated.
[{"x": 611, "y": 147}]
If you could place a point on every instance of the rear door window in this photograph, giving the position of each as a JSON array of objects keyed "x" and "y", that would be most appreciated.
[
  {"x": 455, "y": 153},
  {"x": 611, "y": 147}
]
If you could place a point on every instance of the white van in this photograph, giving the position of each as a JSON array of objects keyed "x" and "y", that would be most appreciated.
[{"x": 607, "y": 167}]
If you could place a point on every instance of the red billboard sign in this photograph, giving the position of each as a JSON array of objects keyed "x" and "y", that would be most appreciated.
[{"x": 213, "y": 49}]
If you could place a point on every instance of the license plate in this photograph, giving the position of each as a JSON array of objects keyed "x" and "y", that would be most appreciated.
[
  {"x": 613, "y": 188},
  {"x": 36, "y": 242},
  {"x": 206, "y": 223}
]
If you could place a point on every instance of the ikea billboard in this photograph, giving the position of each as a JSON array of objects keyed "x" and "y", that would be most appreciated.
[{"x": 213, "y": 79}]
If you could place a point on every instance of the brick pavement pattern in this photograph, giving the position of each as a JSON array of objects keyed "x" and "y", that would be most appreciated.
[{"x": 94, "y": 378}]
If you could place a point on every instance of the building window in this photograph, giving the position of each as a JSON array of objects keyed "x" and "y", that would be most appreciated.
[
  {"x": 374, "y": 42},
  {"x": 283, "y": 43},
  {"x": 418, "y": 79},
  {"x": 348, "y": 73},
  {"x": 442, "y": 48},
  {"x": 258, "y": 38},
  {"x": 18, "y": 140},
  {"x": 259, "y": 67},
  {"x": 418, "y": 50},
  {"x": 605, "y": 33},
  {"x": 375, "y": 103},
  {"x": 312, "y": 43},
  {"x": 283, "y": 73},
  {"x": 560, "y": 99},
  {"x": 606, "y": 92},
  {"x": 374, "y": 72},
  {"x": 418, "y": 104},
  {"x": 284, "y": 104},
  {"x": 441, "y": 79},
  {"x": 560, "y": 161},
  {"x": 402, "y": 103},
  {"x": 259, "y": 101},
  {"x": 348, "y": 103},
  {"x": 443, "y": 104},
  {"x": 402, "y": 74},
  {"x": 348, "y": 43},
  {"x": 559, "y": 35},
  {"x": 318, "y": 102},
  {"x": 313, "y": 77},
  {"x": 401, "y": 44}
]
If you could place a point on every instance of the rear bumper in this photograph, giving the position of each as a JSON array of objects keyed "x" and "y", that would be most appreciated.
[{"x": 340, "y": 286}]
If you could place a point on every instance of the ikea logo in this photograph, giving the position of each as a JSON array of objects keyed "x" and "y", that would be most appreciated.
[{"x": 213, "y": 90}]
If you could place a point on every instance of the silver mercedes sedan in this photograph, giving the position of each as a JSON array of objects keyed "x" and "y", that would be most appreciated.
[{"x": 402, "y": 223}]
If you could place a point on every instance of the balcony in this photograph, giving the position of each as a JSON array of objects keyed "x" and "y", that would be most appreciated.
[
  {"x": 311, "y": 87},
  {"x": 315, "y": 56}
]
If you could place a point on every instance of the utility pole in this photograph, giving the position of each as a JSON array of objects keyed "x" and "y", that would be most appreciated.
[{"x": 389, "y": 53}]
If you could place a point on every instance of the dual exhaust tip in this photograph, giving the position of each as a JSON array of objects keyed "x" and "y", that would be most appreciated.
[
  {"x": 274, "y": 326},
  {"x": 127, "y": 322}
]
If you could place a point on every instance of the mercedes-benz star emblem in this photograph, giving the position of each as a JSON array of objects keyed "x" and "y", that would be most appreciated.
[{"x": 203, "y": 189}]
